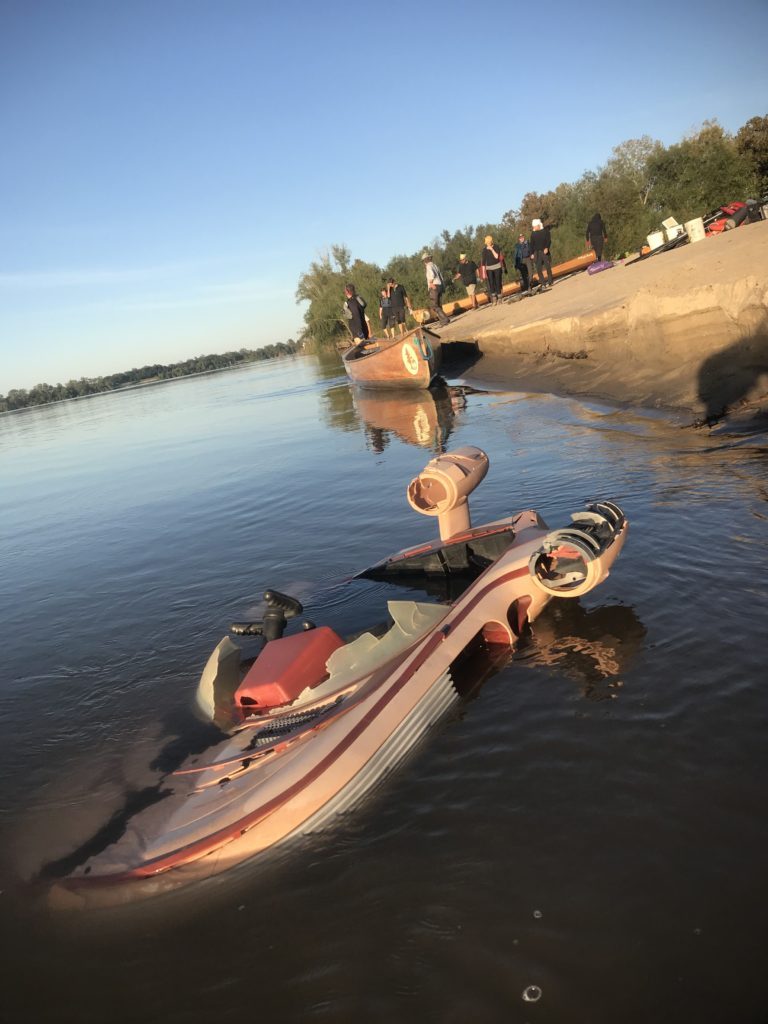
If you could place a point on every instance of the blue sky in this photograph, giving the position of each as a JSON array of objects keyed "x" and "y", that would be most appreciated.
[{"x": 171, "y": 167}]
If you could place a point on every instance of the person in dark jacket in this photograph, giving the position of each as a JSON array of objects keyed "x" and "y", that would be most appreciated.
[
  {"x": 540, "y": 244},
  {"x": 492, "y": 259},
  {"x": 399, "y": 301},
  {"x": 354, "y": 313},
  {"x": 523, "y": 264},
  {"x": 467, "y": 272},
  {"x": 597, "y": 235}
]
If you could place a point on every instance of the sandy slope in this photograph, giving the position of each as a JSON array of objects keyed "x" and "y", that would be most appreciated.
[{"x": 684, "y": 329}]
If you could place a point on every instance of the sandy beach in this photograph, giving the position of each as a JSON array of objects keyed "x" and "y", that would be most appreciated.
[{"x": 682, "y": 330}]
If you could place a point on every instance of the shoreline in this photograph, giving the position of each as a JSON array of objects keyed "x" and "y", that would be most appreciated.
[{"x": 685, "y": 331}]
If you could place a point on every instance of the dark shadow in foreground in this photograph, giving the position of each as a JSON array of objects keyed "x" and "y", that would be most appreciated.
[{"x": 727, "y": 377}]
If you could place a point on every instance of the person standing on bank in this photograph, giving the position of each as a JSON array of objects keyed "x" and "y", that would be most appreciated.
[
  {"x": 354, "y": 313},
  {"x": 492, "y": 260},
  {"x": 523, "y": 264},
  {"x": 435, "y": 287},
  {"x": 597, "y": 236},
  {"x": 540, "y": 244},
  {"x": 385, "y": 312},
  {"x": 399, "y": 302},
  {"x": 467, "y": 271}
]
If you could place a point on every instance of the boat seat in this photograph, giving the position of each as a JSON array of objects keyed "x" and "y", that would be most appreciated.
[{"x": 411, "y": 620}]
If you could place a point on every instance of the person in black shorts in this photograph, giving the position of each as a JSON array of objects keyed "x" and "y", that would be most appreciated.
[
  {"x": 398, "y": 303},
  {"x": 467, "y": 271}
]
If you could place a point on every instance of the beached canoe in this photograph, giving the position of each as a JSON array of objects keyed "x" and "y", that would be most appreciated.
[
  {"x": 455, "y": 306},
  {"x": 409, "y": 362}
]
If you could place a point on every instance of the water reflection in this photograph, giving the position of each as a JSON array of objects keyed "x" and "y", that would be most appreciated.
[
  {"x": 592, "y": 646},
  {"x": 425, "y": 419}
]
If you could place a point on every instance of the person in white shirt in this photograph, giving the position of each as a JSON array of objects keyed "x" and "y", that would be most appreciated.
[{"x": 436, "y": 287}]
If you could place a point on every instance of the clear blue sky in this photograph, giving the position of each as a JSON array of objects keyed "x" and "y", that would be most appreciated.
[{"x": 170, "y": 167}]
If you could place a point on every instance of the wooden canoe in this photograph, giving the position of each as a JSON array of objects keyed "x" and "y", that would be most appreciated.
[
  {"x": 409, "y": 362},
  {"x": 455, "y": 306}
]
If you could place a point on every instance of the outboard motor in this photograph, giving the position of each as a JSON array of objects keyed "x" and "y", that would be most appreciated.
[
  {"x": 567, "y": 563},
  {"x": 280, "y": 608},
  {"x": 443, "y": 486}
]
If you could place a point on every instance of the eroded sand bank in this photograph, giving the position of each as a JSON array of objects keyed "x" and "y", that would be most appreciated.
[{"x": 685, "y": 329}]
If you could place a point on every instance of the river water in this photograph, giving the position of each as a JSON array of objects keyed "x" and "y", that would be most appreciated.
[{"x": 583, "y": 841}]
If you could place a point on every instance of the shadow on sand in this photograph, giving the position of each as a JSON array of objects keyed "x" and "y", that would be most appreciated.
[{"x": 726, "y": 378}]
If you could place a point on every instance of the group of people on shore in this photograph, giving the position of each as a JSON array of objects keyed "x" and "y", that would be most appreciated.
[{"x": 531, "y": 256}]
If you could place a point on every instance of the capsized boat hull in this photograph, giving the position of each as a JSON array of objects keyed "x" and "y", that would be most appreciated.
[
  {"x": 408, "y": 363},
  {"x": 290, "y": 770}
]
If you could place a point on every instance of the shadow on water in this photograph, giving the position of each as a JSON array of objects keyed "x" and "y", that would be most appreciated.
[{"x": 726, "y": 378}]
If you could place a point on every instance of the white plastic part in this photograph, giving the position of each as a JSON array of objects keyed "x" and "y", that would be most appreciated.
[
  {"x": 223, "y": 664},
  {"x": 566, "y": 564},
  {"x": 443, "y": 486}
]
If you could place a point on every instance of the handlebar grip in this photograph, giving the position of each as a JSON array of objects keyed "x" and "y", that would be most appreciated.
[{"x": 289, "y": 606}]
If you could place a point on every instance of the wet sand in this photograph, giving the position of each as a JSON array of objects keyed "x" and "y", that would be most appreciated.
[{"x": 683, "y": 330}]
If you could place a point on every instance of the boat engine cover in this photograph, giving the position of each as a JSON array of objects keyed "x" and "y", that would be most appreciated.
[{"x": 286, "y": 667}]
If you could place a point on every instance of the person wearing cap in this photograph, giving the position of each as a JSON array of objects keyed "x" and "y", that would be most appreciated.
[
  {"x": 540, "y": 244},
  {"x": 435, "y": 287},
  {"x": 523, "y": 264},
  {"x": 398, "y": 303},
  {"x": 467, "y": 271},
  {"x": 354, "y": 313},
  {"x": 492, "y": 259}
]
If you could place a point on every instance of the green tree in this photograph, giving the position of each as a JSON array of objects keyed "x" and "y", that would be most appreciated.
[
  {"x": 699, "y": 174},
  {"x": 752, "y": 144}
]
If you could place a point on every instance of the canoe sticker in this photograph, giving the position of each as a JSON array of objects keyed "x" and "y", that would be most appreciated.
[{"x": 410, "y": 360}]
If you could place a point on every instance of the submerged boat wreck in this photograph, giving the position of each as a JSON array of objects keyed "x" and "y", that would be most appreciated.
[{"x": 314, "y": 721}]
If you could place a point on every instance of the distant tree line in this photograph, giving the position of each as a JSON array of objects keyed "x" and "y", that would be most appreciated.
[
  {"x": 42, "y": 394},
  {"x": 642, "y": 184}
]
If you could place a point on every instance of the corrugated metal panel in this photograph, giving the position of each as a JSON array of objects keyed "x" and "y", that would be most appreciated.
[{"x": 431, "y": 708}]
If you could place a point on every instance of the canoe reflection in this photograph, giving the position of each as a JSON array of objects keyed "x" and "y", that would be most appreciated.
[{"x": 423, "y": 418}]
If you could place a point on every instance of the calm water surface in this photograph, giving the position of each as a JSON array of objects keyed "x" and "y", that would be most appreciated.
[{"x": 592, "y": 824}]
